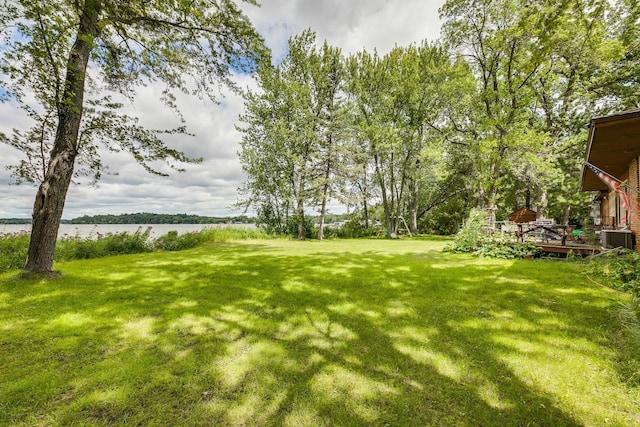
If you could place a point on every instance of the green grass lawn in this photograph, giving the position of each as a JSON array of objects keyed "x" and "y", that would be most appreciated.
[{"x": 347, "y": 332}]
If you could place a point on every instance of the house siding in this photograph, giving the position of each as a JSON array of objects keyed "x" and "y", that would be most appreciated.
[
  {"x": 609, "y": 209},
  {"x": 634, "y": 185}
]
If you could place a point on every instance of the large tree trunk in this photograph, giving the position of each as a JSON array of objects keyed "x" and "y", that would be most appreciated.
[
  {"x": 566, "y": 212},
  {"x": 302, "y": 232},
  {"x": 387, "y": 206},
  {"x": 413, "y": 208},
  {"x": 542, "y": 205},
  {"x": 323, "y": 210},
  {"x": 49, "y": 203}
]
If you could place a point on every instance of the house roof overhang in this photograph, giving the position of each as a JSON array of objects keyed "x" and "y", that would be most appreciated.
[{"x": 614, "y": 141}]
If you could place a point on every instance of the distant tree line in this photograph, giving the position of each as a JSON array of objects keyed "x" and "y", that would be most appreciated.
[
  {"x": 15, "y": 221},
  {"x": 151, "y": 218},
  {"x": 144, "y": 218}
]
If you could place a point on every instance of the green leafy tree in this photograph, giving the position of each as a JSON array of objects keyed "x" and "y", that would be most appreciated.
[
  {"x": 370, "y": 86},
  {"x": 499, "y": 39},
  {"x": 294, "y": 134},
  {"x": 65, "y": 54},
  {"x": 401, "y": 103},
  {"x": 622, "y": 79},
  {"x": 335, "y": 145},
  {"x": 278, "y": 139},
  {"x": 581, "y": 49},
  {"x": 543, "y": 70}
]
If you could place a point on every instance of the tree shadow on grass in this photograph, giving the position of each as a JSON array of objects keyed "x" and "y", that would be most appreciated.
[{"x": 242, "y": 334}]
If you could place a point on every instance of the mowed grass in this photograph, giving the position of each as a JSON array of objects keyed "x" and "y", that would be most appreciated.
[{"x": 335, "y": 333}]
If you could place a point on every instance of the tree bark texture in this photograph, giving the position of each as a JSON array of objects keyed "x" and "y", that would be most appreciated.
[
  {"x": 413, "y": 207},
  {"x": 51, "y": 196},
  {"x": 325, "y": 194}
]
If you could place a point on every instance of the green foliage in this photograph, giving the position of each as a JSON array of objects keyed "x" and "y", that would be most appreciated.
[
  {"x": 293, "y": 223},
  {"x": 445, "y": 219},
  {"x": 620, "y": 270},
  {"x": 13, "y": 248},
  {"x": 13, "y": 251},
  {"x": 543, "y": 69},
  {"x": 495, "y": 248},
  {"x": 172, "y": 242},
  {"x": 471, "y": 235},
  {"x": 111, "y": 244},
  {"x": 400, "y": 102},
  {"x": 294, "y": 139},
  {"x": 352, "y": 229},
  {"x": 472, "y": 238}
]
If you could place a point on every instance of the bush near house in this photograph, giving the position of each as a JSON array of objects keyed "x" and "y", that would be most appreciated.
[{"x": 473, "y": 238}]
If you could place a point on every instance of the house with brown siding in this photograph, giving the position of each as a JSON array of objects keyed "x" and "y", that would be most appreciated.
[{"x": 614, "y": 148}]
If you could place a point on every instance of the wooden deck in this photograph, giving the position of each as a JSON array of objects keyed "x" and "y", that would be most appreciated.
[
  {"x": 554, "y": 239},
  {"x": 575, "y": 248}
]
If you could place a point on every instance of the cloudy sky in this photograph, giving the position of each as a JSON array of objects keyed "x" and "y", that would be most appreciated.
[{"x": 210, "y": 188}]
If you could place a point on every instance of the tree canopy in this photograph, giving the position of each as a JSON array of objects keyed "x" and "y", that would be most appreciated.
[{"x": 492, "y": 115}]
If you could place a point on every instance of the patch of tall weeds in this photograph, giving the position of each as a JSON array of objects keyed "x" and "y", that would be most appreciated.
[
  {"x": 619, "y": 269},
  {"x": 13, "y": 250},
  {"x": 13, "y": 247}
]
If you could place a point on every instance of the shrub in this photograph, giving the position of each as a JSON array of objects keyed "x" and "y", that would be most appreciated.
[
  {"x": 70, "y": 248},
  {"x": 125, "y": 243},
  {"x": 620, "y": 269},
  {"x": 13, "y": 251},
  {"x": 174, "y": 242},
  {"x": 470, "y": 237},
  {"x": 292, "y": 227},
  {"x": 505, "y": 250},
  {"x": 352, "y": 229}
]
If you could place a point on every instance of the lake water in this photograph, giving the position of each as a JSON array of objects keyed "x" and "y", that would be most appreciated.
[{"x": 93, "y": 230}]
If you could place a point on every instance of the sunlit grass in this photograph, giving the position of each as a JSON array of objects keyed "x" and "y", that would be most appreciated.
[{"x": 356, "y": 332}]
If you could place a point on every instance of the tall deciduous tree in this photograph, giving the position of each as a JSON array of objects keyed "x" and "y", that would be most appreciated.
[
  {"x": 265, "y": 155},
  {"x": 543, "y": 69},
  {"x": 64, "y": 53},
  {"x": 501, "y": 41},
  {"x": 622, "y": 81},
  {"x": 581, "y": 50},
  {"x": 401, "y": 100},
  {"x": 294, "y": 134},
  {"x": 279, "y": 136}
]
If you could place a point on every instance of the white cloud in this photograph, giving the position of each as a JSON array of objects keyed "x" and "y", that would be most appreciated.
[{"x": 209, "y": 188}]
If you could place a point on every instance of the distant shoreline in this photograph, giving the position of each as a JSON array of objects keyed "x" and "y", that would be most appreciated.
[
  {"x": 143, "y": 218},
  {"x": 97, "y": 230}
]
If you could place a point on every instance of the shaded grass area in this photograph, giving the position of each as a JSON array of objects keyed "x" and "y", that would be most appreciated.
[{"x": 347, "y": 332}]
